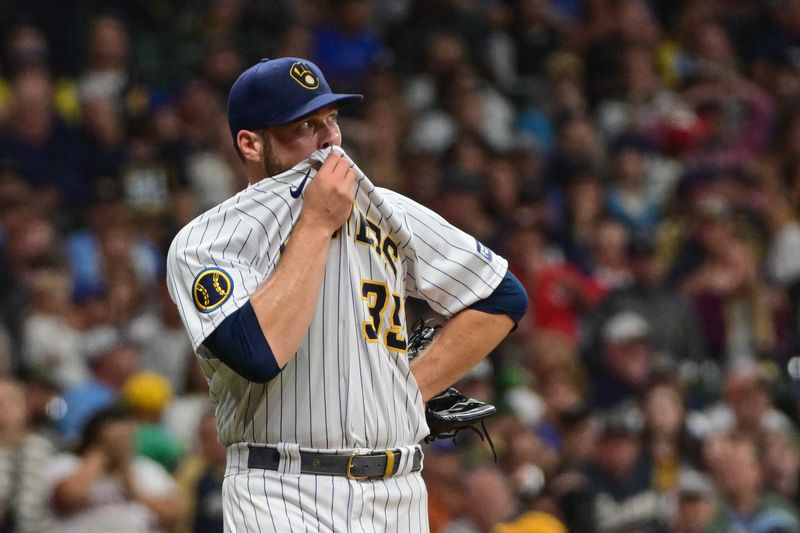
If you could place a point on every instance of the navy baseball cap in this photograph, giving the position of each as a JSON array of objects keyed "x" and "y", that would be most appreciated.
[{"x": 274, "y": 92}]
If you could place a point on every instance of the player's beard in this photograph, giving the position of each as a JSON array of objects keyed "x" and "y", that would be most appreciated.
[{"x": 272, "y": 165}]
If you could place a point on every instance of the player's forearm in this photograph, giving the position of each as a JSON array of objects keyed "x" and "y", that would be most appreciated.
[
  {"x": 464, "y": 340},
  {"x": 285, "y": 304}
]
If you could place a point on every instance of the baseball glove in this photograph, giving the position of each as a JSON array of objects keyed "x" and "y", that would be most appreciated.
[{"x": 450, "y": 411}]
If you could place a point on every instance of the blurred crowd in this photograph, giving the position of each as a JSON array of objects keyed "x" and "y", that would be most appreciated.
[{"x": 637, "y": 161}]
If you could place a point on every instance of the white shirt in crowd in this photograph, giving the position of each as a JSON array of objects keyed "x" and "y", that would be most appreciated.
[{"x": 110, "y": 507}]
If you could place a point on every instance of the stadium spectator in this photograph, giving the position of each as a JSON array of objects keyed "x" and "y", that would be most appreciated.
[
  {"x": 52, "y": 330},
  {"x": 747, "y": 393},
  {"x": 106, "y": 244},
  {"x": 665, "y": 437},
  {"x": 42, "y": 145},
  {"x": 107, "y": 71},
  {"x": 615, "y": 492},
  {"x": 630, "y": 199},
  {"x": 726, "y": 288},
  {"x": 488, "y": 499},
  {"x": 106, "y": 486},
  {"x": 559, "y": 291},
  {"x": 752, "y": 507},
  {"x": 111, "y": 361},
  {"x": 677, "y": 336},
  {"x": 698, "y": 509},
  {"x": 781, "y": 464},
  {"x": 183, "y": 414},
  {"x": 24, "y": 457},
  {"x": 146, "y": 396},
  {"x": 444, "y": 507},
  {"x": 200, "y": 478},
  {"x": 626, "y": 360},
  {"x": 347, "y": 47},
  {"x": 164, "y": 346}
]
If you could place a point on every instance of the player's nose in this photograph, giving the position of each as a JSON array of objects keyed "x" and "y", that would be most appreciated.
[{"x": 329, "y": 135}]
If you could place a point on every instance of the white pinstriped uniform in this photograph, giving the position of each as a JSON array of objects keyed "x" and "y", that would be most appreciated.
[{"x": 349, "y": 387}]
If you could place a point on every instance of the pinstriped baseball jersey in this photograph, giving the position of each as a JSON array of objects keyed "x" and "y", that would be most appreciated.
[{"x": 349, "y": 385}]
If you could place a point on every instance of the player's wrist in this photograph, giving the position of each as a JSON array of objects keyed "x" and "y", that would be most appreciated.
[{"x": 316, "y": 226}]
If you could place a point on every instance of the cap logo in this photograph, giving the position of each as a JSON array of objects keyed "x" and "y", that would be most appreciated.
[{"x": 302, "y": 74}]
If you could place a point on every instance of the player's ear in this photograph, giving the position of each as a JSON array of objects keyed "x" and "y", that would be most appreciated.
[{"x": 251, "y": 145}]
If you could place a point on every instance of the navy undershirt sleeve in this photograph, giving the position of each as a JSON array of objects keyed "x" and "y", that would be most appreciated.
[
  {"x": 509, "y": 298},
  {"x": 239, "y": 343}
]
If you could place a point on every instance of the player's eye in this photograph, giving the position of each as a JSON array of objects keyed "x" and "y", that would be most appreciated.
[
  {"x": 306, "y": 126},
  {"x": 332, "y": 119}
]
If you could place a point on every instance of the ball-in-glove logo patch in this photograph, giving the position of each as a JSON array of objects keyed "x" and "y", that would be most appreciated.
[
  {"x": 302, "y": 74},
  {"x": 211, "y": 288}
]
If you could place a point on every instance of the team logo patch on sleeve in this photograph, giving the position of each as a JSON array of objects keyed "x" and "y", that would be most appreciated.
[{"x": 211, "y": 288}]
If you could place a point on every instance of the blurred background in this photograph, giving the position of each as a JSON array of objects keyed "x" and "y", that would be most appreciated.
[{"x": 638, "y": 163}]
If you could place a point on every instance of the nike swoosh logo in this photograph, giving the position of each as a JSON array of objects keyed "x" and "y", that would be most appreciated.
[{"x": 296, "y": 191}]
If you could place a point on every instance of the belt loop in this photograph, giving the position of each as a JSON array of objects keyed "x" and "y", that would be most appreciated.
[
  {"x": 389, "y": 464},
  {"x": 289, "y": 462},
  {"x": 406, "y": 463}
]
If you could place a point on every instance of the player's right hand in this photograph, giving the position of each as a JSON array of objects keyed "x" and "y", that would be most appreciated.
[{"x": 328, "y": 198}]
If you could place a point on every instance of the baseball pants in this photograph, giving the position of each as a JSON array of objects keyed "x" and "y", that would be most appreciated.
[{"x": 258, "y": 500}]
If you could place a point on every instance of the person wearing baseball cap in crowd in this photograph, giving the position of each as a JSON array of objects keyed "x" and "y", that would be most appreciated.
[
  {"x": 678, "y": 335},
  {"x": 533, "y": 522},
  {"x": 613, "y": 491},
  {"x": 627, "y": 358},
  {"x": 620, "y": 474},
  {"x": 747, "y": 393},
  {"x": 699, "y": 509},
  {"x": 146, "y": 395}
]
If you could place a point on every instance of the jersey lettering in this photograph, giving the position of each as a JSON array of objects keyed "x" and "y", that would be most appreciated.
[{"x": 370, "y": 234}]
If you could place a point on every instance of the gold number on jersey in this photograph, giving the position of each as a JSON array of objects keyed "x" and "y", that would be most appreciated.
[
  {"x": 375, "y": 294},
  {"x": 394, "y": 335}
]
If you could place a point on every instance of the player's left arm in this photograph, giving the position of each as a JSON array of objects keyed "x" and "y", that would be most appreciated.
[
  {"x": 464, "y": 280},
  {"x": 469, "y": 336}
]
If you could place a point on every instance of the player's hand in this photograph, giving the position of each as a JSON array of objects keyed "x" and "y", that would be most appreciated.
[{"x": 328, "y": 199}]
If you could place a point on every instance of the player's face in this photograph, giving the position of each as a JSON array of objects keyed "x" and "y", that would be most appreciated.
[{"x": 287, "y": 145}]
